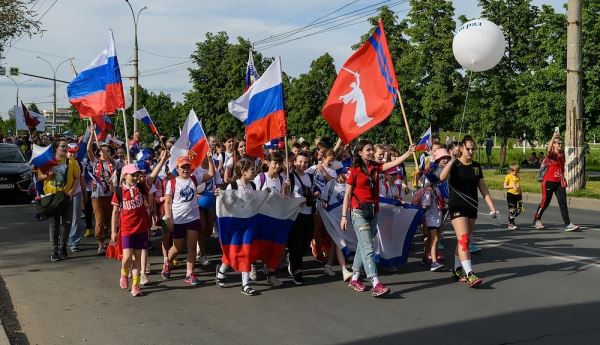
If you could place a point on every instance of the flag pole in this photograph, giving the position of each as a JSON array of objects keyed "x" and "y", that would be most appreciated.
[
  {"x": 410, "y": 140},
  {"x": 94, "y": 132},
  {"x": 287, "y": 164},
  {"x": 126, "y": 138}
]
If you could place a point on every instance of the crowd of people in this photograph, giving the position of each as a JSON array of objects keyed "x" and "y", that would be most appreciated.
[{"x": 129, "y": 201}]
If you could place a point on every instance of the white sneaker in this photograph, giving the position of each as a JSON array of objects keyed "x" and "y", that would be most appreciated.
[
  {"x": 144, "y": 280},
  {"x": 329, "y": 270},
  {"x": 512, "y": 227},
  {"x": 273, "y": 281},
  {"x": 203, "y": 260},
  {"x": 571, "y": 227},
  {"x": 346, "y": 274},
  {"x": 253, "y": 274}
]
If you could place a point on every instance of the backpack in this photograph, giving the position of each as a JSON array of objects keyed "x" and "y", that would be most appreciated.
[
  {"x": 234, "y": 185},
  {"x": 293, "y": 180},
  {"x": 543, "y": 170},
  {"x": 263, "y": 179},
  {"x": 119, "y": 193}
]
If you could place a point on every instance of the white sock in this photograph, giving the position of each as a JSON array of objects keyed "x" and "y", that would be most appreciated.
[
  {"x": 223, "y": 268},
  {"x": 456, "y": 262},
  {"x": 467, "y": 266},
  {"x": 245, "y": 278},
  {"x": 375, "y": 281},
  {"x": 355, "y": 275}
]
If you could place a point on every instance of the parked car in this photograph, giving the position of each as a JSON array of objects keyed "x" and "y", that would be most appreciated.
[{"x": 15, "y": 173}]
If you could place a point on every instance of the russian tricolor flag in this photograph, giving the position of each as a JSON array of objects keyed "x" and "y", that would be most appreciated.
[
  {"x": 251, "y": 73},
  {"x": 254, "y": 225},
  {"x": 104, "y": 126},
  {"x": 192, "y": 142},
  {"x": 261, "y": 110},
  {"x": 425, "y": 141},
  {"x": 98, "y": 89},
  {"x": 144, "y": 116},
  {"x": 43, "y": 158}
]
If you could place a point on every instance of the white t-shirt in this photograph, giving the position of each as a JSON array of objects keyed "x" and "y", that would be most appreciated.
[
  {"x": 387, "y": 191},
  {"x": 297, "y": 192},
  {"x": 433, "y": 215},
  {"x": 241, "y": 186},
  {"x": 320, "y": 180},
  {"x": 185, "y": 204},
  {"x": 275, "y": 184},
  {"x": 209, "y": 185}
]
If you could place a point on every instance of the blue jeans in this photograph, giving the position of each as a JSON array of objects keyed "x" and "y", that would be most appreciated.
[
  {"x": 365, "y": 233},
  {"x": 76, "y": 221}
]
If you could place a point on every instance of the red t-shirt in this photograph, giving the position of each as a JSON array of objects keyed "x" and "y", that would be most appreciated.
[
  {"x": 134, "y": 217},
  {"x": 556, "y": 167},
  {"x": 366, "y": 191}
]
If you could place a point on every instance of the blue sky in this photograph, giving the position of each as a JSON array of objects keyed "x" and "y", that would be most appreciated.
[{"x": 168, "y": 31}]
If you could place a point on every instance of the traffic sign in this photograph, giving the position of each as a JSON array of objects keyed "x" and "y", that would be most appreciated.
[{"x": 14, "y": 71}]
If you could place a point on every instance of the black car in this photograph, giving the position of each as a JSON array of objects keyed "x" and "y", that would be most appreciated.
[{"x": 15, "y": 173}]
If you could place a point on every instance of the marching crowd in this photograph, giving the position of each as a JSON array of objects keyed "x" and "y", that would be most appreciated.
[{"x": 126, "y": 202}]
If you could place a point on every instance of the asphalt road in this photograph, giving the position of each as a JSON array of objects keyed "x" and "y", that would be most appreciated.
[{"x": 540, "y": 287}]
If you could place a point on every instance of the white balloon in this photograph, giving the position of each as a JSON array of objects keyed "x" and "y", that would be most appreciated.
[{"x": 478, "y": 45}]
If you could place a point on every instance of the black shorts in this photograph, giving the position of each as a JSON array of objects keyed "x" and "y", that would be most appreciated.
[{"x": 462, "y": 211}]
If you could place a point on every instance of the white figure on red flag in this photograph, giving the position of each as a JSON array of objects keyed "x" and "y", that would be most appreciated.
[{"x": 357, "y": 96}]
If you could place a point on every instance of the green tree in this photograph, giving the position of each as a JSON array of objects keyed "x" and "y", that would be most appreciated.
[
  {"x": 218, "y": 79},
  {"x": 17, "y": 19},
  {"x": 305, "y": 97}
]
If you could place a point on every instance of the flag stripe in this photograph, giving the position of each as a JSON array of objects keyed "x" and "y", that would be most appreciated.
[
  {"x": 99, "y": 103},
  {"x": 240, "y": 231},
  {"x": 96, "y": 79},
  {"x": 265, "y": 103},
  {"x": 271, "y": 126}
]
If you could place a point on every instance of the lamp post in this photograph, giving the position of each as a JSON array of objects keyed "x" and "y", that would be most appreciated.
[
  {"x": 54, "y": 70},
  {"x": 18, "y": 86},
  {"x": 136, "y": 72}
]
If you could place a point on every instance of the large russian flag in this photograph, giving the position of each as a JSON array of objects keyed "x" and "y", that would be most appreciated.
[
  {"x": 261, "y": 109},
  {"x": 43, "y": 157},
  {"x": 98, "y": 89},
  {"x": 192, "y": 142},
  {"x": 254, "y": 225}
]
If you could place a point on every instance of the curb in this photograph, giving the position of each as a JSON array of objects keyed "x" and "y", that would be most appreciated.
[{"x": 572, "y": 202}]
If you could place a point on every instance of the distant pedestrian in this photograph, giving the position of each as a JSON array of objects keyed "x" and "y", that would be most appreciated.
[
  {"x": 514, "y": 197},
  {"x": 554, "y": 182},
  {"x": 489, "y": 144}
]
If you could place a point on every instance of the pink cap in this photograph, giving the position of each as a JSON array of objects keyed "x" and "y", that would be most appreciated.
[
  {"x": 130, "y": 169},
  {"x": 440, "y": 153}
]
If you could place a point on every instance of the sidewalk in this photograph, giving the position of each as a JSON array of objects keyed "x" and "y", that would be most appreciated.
[{"x": 580, "y": 203}]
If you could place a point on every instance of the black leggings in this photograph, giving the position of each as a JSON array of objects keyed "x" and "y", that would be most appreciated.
[
  {"x": 515, "y": 206},
  {"x": 299, "y": 240},
  {"x": 548, "y": 188}
]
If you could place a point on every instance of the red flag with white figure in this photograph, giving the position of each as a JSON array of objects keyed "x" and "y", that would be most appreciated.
[{"x": 365, "y": 90}]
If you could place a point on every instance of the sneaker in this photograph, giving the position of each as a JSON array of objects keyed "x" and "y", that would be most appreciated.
[
  {"x": 144, "y": 280},
  {"x": 54, "y": 257},
  {"x": 75, "y": 249},
  {"x": 101, "y": 251},
  {"x": 298, "y": 279},
  {"x": 273, "y": 281},
  {"x": 203, "y": 260},
  {"x": 426, "y": 262},
  {"x": 249, "y": 291},
  {"x": 435, "y": 266},
  {"x": 147, "y": 270},
  {"x": 380, "y": 290},
  {"x": 357, "y": 285},
  {"x": 346, "y": 274},
  {"x": 124, "y": 282},
  {"x": 166, "y": 271},
  {"x": 219, "y": 277},
  {"x": 571, "y": 227},
  {"x": 253, "y": 275},
  {"x": 329, "y": 270},
  {"x": 88, "y": 233},
  {"x": 136, "y": 291},
  {"x": 192, "y": 279},
  {"x": 473, "y": 280},
  {"x": 459, "y": 275},
  {"x": 474, "y": 248},
  {"x": 62, "y": 253},
  {"x": 289, "y": 268},
  {"x": 538, "y": 225},
  {"x": 512, "y": 227}
]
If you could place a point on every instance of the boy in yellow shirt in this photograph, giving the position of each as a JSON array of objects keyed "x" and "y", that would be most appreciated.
[{"x": 512, "y": 185}]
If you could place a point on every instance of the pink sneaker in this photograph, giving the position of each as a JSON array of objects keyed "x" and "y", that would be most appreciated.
[
  {"x": 380, "y": 290},
  {"x": 124, "y": 282},
  {"x": 136, "y": 291},
  {"x": 357, "y": 285}
]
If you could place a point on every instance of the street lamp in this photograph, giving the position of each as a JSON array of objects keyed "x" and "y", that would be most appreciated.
[
  {"x": 54, "y": 70},
  {"x": 136, "y": 72},
  {"x": 18, "y": 86}
]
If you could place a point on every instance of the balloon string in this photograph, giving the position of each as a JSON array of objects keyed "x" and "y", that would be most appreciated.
[{"x": 465, "y": 107}]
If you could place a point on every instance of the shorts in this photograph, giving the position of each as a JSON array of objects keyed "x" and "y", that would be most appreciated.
[
  {"x": 462, "y": 211},
  {"x": 135, "y": 241},
  {"x": 180, "y": 230}
]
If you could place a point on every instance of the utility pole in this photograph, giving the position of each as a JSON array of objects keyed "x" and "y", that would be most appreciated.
[
  {"x": 136, "y": 71},
  {"x": 574, "y": 151}
]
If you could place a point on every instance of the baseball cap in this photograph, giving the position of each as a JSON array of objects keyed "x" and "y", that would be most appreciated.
[
  {"x": 130, "y": 169},
  {"x": 183, "y": 160}
]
